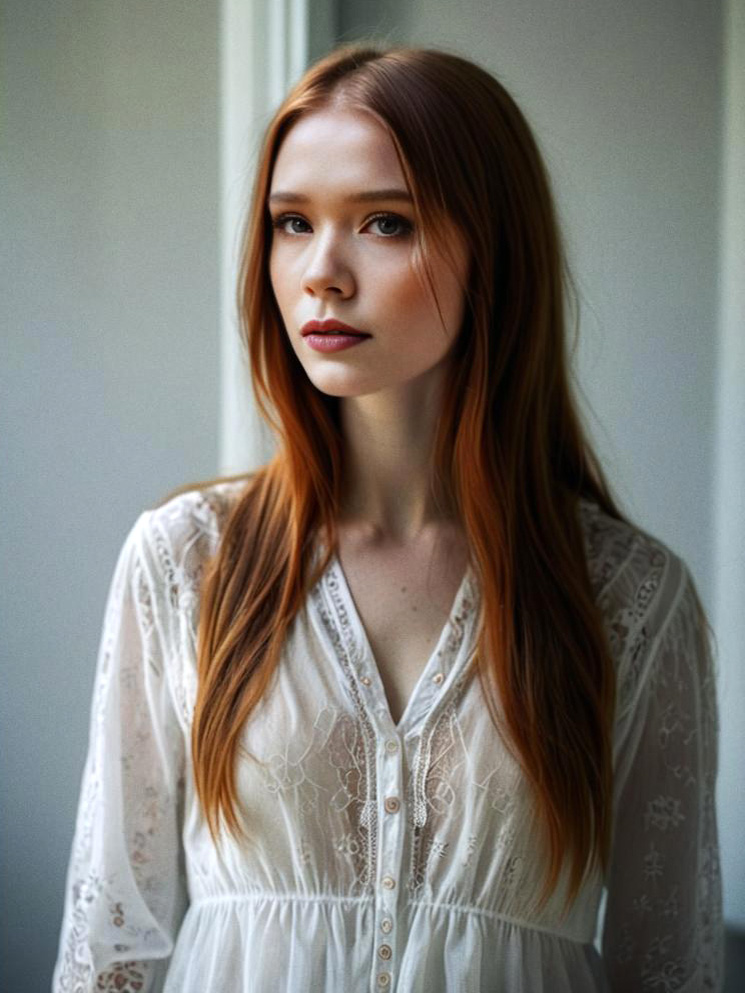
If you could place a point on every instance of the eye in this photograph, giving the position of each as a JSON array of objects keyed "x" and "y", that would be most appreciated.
[
  {"x": 389, "y": 225},
  {"x": 386, "y": 221},
  {"x": 280, "y": 223}
]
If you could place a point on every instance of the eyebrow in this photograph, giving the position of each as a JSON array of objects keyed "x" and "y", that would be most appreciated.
[{"x": 287, "y": 196}]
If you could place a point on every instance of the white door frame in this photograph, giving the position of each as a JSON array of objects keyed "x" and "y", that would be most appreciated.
[{"x": 265, "y": 46}]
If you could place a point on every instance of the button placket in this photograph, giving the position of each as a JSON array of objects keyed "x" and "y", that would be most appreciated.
[
  {"x": 391, "y": 840},
  {"x": 349, "y": 644}
]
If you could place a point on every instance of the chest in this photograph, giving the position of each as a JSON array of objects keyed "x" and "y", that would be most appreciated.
[{"x": 403, "y": 598}]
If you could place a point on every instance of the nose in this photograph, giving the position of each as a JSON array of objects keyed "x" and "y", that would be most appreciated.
[{"x": 328, "y": 273}]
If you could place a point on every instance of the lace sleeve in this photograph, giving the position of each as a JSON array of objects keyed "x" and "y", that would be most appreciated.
[
  {"x": 663, "y": 923},
  {"x": 125, "y": 892}
]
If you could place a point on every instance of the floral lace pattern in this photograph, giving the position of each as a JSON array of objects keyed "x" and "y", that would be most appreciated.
[
  {"x": 365, "y": 840},
  {"x": 338, "y": 738},
  {"x": 467, "y": 835},
  {"x": 433, "y": 791},
  {"x": 662, "y": 932},
  {"x": 118, "y": 860}
]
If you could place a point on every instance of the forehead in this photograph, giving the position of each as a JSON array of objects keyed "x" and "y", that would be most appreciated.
[{"x": 333, "y": 150}]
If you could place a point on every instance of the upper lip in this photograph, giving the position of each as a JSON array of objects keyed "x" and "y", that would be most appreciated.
[{"x": 324, "y": 327}]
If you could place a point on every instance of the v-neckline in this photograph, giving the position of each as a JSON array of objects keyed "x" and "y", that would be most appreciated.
[{"x": 445, "y": 658}]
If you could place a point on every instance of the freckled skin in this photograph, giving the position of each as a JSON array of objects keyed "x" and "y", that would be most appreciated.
[{"x": 333, "y": 261}]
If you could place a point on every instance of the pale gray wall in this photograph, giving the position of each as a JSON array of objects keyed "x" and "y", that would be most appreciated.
[{"x": 109, "y": 366}]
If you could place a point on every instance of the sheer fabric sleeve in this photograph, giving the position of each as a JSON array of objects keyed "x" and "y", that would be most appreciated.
[
  {"x": 663, "y": 921},
  {"x": 125, "y": 891}
]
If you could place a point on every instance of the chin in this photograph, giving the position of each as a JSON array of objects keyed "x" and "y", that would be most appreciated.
[{"x": 337, "y": 386}]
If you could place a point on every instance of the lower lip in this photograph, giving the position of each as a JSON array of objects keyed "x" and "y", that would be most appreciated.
[{"x": 333, "y": 342}]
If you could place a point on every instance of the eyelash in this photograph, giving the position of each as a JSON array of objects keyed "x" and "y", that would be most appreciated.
[{"x": 406, "y": 227}]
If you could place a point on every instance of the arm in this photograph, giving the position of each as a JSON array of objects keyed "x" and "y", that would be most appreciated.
[
  {"x": 125, "y": 892},
  {"x": 663, "y": 924}
]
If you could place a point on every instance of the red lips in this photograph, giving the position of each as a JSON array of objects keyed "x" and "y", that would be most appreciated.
[{"x": 328, "y": 327}]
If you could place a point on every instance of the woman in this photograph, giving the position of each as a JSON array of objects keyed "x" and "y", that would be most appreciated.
[{"x": 403, "y": 708}]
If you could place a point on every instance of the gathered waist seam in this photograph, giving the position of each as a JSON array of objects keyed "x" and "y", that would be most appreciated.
[
  {"x": 503, "y": 918},
  {"x": 275, "y": 896}
]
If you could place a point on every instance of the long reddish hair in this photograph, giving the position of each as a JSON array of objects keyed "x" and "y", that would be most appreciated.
[{"x": 510, "y": 451}]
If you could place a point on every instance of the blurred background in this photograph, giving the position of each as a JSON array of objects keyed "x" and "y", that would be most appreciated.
[{"x": 129, "y": 130}]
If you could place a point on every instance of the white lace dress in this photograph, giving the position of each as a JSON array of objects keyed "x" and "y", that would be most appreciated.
[{"x": 384, "y": 857}]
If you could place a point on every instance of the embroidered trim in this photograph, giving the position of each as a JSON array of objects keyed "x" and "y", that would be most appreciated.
[{"x": 368, "y": 821}]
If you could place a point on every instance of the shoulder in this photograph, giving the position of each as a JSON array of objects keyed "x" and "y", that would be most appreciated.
[
  {"x": 170, "y": 545},
  {"x": 642, "y": 588},
  {"x": 624, "y": 558},
  {"x": 190, "y": 524}
]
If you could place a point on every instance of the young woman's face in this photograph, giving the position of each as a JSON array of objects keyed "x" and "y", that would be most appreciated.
[{"x": 343, "y": 249}]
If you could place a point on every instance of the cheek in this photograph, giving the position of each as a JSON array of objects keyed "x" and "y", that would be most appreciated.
[
  {"x": 405, "y": 293},
  {"x": 274, "y": 273},
  {"x": 410, "y": 297},
  {"x": 279, "y": 288}
]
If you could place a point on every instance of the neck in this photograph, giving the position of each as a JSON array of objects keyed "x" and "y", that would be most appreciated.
[{"x": 389, "y": 447}]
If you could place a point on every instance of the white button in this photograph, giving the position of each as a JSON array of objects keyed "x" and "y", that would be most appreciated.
[
  {"x": 385, "y": 951},
  {"x": 389, "y": 882},
  {"x": 438, "y": 678},
  {"x": 392, "y": 803},
  {"x": 366, "y": 680},
  {"x": 391, "y": 745},
  {"x": 384, "y": 979},
  {"x": 386, "y": 925}
]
